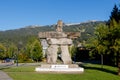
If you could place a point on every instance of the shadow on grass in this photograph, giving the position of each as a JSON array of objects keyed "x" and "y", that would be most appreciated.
[
  {"x": 4, "y": 68},
  {"x": 7, "y": 66},
  {"x": 98, "y": 68}
]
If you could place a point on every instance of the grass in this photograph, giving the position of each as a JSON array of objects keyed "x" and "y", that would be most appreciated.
[{"x": 92, "y": 72}]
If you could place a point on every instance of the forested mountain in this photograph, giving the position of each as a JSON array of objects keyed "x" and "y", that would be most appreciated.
[{"x": 22, "y": 35}]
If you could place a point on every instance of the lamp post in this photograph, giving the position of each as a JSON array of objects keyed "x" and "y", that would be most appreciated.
[
  {"x": 19, "y": 46},
  {"x": 17, "y": 57},
  {"x": 1, "y": 50}
]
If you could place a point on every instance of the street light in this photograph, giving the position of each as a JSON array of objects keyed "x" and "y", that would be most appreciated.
[
  {"x": 17, "y": 57},
  {"x": 19, "y": 46}
]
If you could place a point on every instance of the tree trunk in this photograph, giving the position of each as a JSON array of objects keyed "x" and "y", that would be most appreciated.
[
  {"x": 119, "y": 69},
  {"x": 119, "y": 64},
  {"x": 101, "y": 60}
]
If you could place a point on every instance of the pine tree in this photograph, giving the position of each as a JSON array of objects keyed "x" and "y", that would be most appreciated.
[
  {"x": 36, "y": 51},
  {"x": 114, "y": 37},
  {"x": 115, "y": 14},
  {"x": 107, "y": 38}
]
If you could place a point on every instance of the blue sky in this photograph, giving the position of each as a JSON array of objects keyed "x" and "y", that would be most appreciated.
[{"x": 16, "y": 14}]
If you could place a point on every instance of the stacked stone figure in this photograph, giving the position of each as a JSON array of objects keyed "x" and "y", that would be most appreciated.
[{"x": 57, "y": 39}]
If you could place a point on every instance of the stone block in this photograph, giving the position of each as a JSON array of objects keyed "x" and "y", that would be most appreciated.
[
  {"x": 65, "y": 55},
  {"x": 52, "y": 34},
  {"x": 52, "y": 54},
  {"x": 61, "y": 41}
]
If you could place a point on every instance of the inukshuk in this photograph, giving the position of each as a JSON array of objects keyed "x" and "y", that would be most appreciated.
[{"x": 58, "y": 39}]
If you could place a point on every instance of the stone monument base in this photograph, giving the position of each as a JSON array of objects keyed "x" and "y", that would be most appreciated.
[{"x": 60, "y": 68}]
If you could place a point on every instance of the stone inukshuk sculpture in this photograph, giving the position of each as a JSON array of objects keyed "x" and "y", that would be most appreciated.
[
  {"x": 58, "y": 39},
  {"x": 59, "y": 26}
]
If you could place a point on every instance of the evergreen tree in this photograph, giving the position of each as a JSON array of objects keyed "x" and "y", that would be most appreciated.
[
  {"x": 36, "y": 51},
  {"x": 114, "y": 37},
  {"x": 107, "y": 38},
  {"x": 29, "y": 46},
  {"x": 114, "y": 40},
  {"x": 115, "y": 14}
]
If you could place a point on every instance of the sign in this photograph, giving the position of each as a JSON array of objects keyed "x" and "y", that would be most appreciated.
[{"x": 59, "y": 66}]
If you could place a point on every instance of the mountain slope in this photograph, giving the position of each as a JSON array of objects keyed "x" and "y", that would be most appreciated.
[{"x": 23, "y": 34}]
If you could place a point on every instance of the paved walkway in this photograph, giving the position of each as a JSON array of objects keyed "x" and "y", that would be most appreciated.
[{"x": 4, "y": 76}]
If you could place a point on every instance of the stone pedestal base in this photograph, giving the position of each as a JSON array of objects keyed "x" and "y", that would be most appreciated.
[{"x": 60, "y": 68}]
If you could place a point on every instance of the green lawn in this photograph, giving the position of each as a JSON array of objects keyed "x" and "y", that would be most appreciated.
[{"x": 92, "y": 72}]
